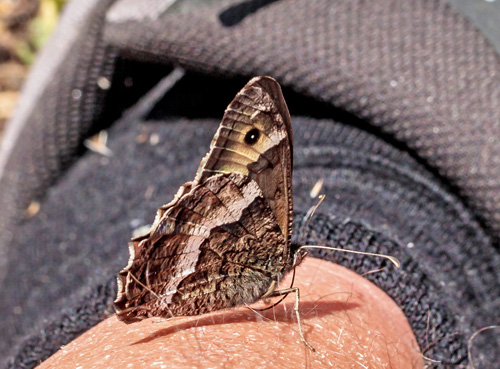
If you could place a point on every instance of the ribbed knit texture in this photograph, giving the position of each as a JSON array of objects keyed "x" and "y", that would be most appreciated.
[{"x": 415, "y": 69}]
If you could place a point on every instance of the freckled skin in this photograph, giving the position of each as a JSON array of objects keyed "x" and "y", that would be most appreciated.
[{"x": 345, "y": 318}]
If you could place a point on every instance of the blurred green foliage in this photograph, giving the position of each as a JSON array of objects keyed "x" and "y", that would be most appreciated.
[{"x": 40, "y": 28}]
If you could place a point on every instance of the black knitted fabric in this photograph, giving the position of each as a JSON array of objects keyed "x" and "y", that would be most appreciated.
[
  {"x": 394, "y": 105},
  {"x": 413, "y": 68}
]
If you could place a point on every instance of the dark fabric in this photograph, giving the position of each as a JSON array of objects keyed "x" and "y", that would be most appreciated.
[
  {"x": 414, "y": 69},
  {"x": 401, "y": 99}
]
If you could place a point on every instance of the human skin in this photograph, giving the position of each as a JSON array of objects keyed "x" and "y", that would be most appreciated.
[{"x": 350, "y": 322}]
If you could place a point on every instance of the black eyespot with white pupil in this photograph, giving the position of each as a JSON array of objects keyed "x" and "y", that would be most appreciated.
[{"x": 252, "y": 136}]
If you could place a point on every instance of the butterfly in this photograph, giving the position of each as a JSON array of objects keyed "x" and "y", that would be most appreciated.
[{"x": 225, "y": 238}]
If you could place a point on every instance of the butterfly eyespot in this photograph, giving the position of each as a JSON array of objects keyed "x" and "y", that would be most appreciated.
[{"x": 252, "y": 136}]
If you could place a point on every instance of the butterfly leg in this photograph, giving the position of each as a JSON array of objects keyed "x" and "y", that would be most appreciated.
[{"x": 295, "y": 290}]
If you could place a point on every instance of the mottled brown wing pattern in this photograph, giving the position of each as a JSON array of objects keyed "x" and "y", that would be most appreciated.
[
  {"x": 255, "y": 139},
  {"x": 225, "y": 237},
  {"x": 199, "y": 260}
]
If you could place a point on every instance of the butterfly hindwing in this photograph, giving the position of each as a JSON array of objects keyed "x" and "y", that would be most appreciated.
[{"x": 196, "y": 264}]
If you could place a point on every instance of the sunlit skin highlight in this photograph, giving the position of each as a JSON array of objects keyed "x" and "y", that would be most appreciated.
[{"x": 350, "y": 322}]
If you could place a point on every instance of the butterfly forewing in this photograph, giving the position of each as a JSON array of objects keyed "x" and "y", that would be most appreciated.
[{"x": 255, "y": 139}]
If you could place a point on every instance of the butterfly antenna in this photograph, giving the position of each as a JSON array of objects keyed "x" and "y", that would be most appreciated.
[{"x": 392, "y": 259}]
